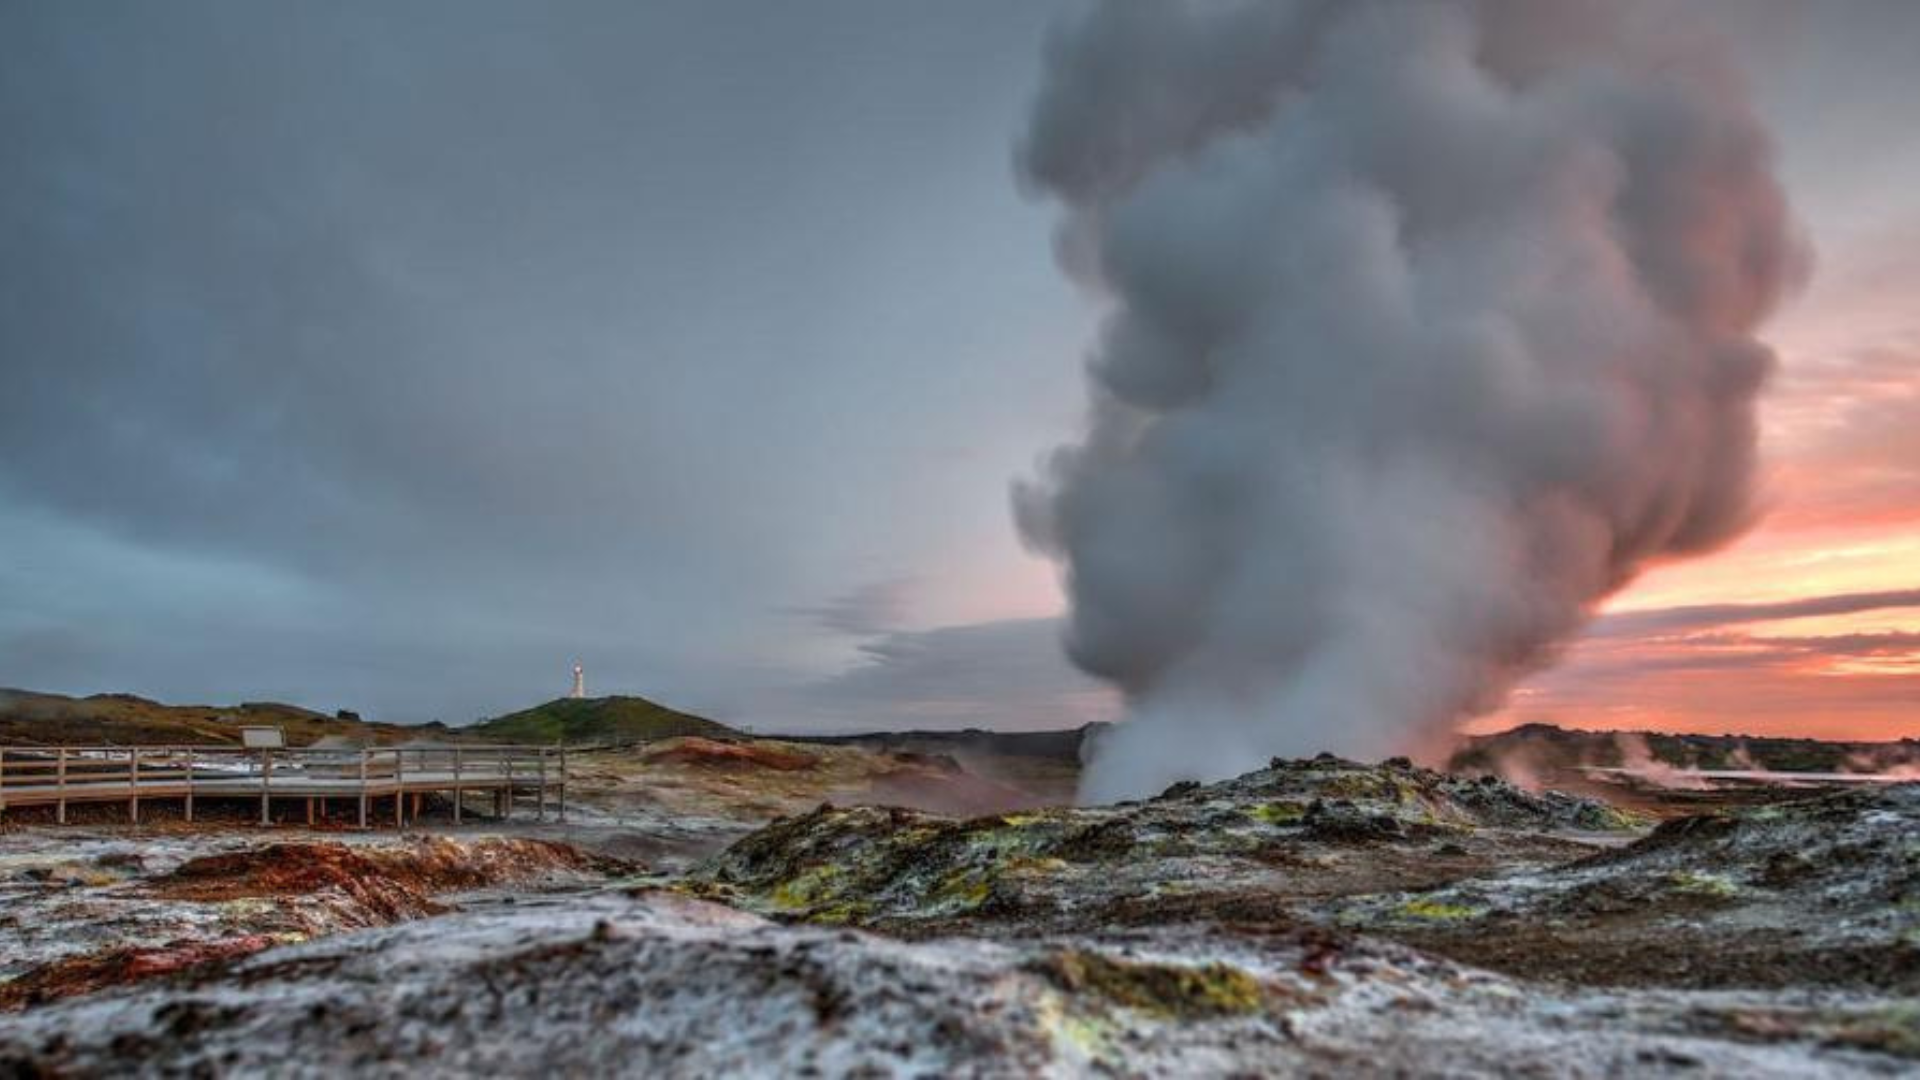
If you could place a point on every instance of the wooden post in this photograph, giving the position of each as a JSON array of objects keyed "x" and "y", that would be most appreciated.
[
  {"x": 3, "y": 779},
  {"x": 266, "y": 782},
  {"x": 133, "y": 785},
  {"x": 456, "y": 785},
  {"x": 563, "y": 781},
  {"x": 309, "y": 811},
  {"x": 189, "y": 785},
  {"x": 364, "y": 754},
  {"x": 60, "y": 774},
  {"x": 399, "y": 790},
  {"x": 540, "y": 790}
]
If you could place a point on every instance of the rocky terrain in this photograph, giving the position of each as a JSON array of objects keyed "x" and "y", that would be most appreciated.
[
  {"x": 1315, "y": 917},
  {"x": 1255, "y": 848},
  {"x": 664, "y": 986},
  {"x": 1821, "y": 892}
]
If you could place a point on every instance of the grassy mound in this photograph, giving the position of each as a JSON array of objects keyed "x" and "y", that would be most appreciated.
[{"x": 597, "y": 720}]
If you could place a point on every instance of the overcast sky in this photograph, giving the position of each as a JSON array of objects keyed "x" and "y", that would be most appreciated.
[{"x": 393, "y": 356}]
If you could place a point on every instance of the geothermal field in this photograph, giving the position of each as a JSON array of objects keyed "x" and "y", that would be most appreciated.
[
  {"x": 929, "y": 904},
  {"x": 1111, "y": 538}
]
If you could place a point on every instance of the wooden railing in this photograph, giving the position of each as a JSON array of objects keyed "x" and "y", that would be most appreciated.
[{"x": 60, "y": 775}]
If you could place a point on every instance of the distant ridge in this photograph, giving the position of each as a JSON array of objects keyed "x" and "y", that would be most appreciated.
[
  {"x": 617, "y": 719},
  {"x": 1063, "y": 744},
  {"x": 1539, "y": 746},
  {"x": 31, "y": 718}
]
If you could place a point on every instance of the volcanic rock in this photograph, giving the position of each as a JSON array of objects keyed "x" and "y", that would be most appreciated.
[{"x": 661, "y": 986}]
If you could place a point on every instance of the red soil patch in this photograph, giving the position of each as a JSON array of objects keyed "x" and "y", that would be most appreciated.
[
  {"x": 116, "y": 967},
  {"x": 292, "y": 870},
  {"x": 709, "y": 754},
  {"x": 387, "y": 883}
]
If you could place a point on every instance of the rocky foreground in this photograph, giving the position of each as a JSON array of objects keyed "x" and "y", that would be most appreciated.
[
  {"x": 1315, "y": 917},
  {"x": 664, "y": 986}
]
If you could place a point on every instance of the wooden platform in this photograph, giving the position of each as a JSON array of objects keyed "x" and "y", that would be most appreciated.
[{"x": 63, "y": 775}]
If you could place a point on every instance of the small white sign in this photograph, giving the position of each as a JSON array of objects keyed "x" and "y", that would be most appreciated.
[{"x": 263, "y": 738}]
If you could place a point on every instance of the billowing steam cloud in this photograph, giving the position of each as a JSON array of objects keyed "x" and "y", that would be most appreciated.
[{"x": 1431, "y": 324}]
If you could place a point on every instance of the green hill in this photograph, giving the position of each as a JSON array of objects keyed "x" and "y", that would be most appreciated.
[{"x": 607, "y": 719}]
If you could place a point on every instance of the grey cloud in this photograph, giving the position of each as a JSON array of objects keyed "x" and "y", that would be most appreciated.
[
  {"x": 867, "y": 610},
  {"x": 1669, "y": 620},
  {"x": 499, "y": 334},
  {"x": 1699, "y": 658},
  {"x": 1007, "y": 674}
]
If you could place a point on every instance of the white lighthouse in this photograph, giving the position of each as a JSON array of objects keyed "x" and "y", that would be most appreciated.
[{"x": 579, "y": 682}]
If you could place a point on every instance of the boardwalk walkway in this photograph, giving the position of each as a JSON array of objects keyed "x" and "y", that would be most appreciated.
[{"x": 61, "y": 776}]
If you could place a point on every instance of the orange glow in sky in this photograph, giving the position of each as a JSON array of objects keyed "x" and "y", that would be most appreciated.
[{"x": 1842, "y": 501}]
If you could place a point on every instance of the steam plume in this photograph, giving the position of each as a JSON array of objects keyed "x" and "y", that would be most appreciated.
[{"x": 1430, "y": 325}]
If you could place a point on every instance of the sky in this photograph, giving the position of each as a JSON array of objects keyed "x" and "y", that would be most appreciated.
[{"x": 395, "y": 356}]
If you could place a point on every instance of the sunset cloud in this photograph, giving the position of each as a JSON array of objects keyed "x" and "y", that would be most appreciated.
[{"x": 1734, "y": 667}]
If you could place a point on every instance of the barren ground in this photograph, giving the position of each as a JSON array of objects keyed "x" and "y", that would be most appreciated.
[{"x": 1315, "y": 917}]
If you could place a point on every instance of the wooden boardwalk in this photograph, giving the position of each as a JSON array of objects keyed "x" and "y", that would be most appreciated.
[{"x": 64, "y": 775}]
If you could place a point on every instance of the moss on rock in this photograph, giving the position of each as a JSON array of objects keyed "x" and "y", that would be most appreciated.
[
  {"x": 1427, "y": 909},
  {"x": 1165, "y": 990},
  {"x": 1278, "y": 813}
]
